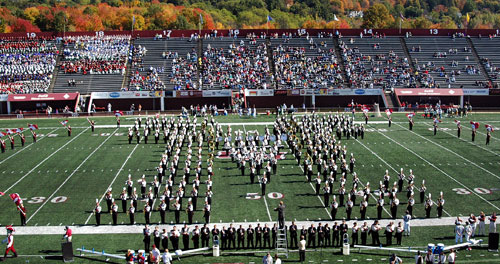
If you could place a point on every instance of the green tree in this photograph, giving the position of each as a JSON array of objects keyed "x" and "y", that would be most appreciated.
[
  {"x": 422, "y": 22},
  {"x": 377, "y": 16},
  {"x": 469, "y": 6}
]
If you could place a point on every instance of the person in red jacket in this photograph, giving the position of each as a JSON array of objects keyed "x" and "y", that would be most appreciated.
[{"x": 10, "y": 243}]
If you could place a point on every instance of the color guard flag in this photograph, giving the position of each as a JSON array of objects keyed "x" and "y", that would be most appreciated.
[
  {"x": 64, "y": 122},
  {"x": 489, "y": 127},
  {"x": 2, "y": 134},
  {"x": 388, "y": 112},
  {"x": 2, "y": 193},
  {"x": 475, "y": 125},
  {"x": 32, "y": 126},
  {"x": 10, "y": 132},
  {"x": 410, "y": 115},
  {"x": 19, "y": 130},
  {"x": 16, "y": 198},
  {"x": 118, "y": 113}
]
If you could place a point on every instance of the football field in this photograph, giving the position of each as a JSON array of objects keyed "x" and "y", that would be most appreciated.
[{"x": 60, "y": 177}]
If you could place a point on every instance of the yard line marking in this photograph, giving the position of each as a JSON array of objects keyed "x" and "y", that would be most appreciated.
[
  {"x": 472, "y": 143},
  {"x": 446, "y": 174},
  {"x": 454, "y": 153},
  {"x": 17, "y": 152},
  {"x": 114, "y": 179},
  {"x": 392, "y": 168},
  {"x": 265, "y": 200},
  {"x": 71, "y": 175},
  {"x": 48, "y": 157}
]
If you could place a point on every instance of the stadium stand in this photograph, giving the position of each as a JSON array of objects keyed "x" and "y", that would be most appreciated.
[
  {"x": 234, "y": 64},
  {"x": 92, "y": 64},
  {"x": 306, "y": 63},
  {"x": 119, "y": 63},
  {"x": 487, "y": 49},
  {"x": 445, "y": 62},
  {"x": 26, "y": 66}
]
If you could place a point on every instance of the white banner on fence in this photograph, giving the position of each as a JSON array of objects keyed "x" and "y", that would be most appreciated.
[
  {"x": 216, "y": 93},
  {"x": 330, "y": 92},
  {"x": 476, "y": 91},
  {"x": 259, "y": 92},
  {"x": 124, "y": 95}
]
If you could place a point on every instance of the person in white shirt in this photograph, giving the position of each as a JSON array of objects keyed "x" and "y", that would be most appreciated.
[
  {"x": 277, "y": 260},
  {"x": 267, "y": 259},
  {"x": 166, "y": 257},
  {"x": 459, "y": 232},
  {"x": 452, "y": 256},
  {"x": 302, "y": 249},
  {"x": 156, "y": 254}
]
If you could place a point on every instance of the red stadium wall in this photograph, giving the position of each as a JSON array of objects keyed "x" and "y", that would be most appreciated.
[{"x": 243, "y": 32}]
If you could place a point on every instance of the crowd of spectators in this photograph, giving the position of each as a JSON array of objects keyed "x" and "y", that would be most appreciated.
[
  {"x": 384, "y": 70},
  {"x": 149, "y": 81},
  {"x": 26, "y": 66},
  {"x": 184, "y": 70},
  {"x": 298, "y": 68},
  {"x": 238, "y": 66},
  {"x": 96, "y": 55}
]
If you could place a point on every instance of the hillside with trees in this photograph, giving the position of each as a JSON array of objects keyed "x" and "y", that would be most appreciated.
[{"x": 95, "y": 15}]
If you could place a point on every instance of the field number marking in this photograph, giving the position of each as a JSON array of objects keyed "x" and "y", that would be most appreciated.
[
  {"x": 41, "y": 199},
  {"x": 478, "y": 190}
]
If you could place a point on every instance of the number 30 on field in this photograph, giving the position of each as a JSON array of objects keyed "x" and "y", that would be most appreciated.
[
  {"x": 478, "y": 190},
  {"x": 40, "y": 199}
]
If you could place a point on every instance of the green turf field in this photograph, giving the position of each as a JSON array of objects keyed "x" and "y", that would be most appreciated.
[
  {"x": 59, "y": 177},
  {"x": 30, "y": 249}
]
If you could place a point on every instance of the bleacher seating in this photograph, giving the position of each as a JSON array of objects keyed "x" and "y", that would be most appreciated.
[
  {"x": 449, "y": 61},
  {"x": 26, "y": 66},
  {"x": 306, "y": 63},
  {"x": 91, "y": 64},
  {"x": 487, "y": 50},
  {"x": 88, "y": 64},
  {"x": 377, "y": 63}
]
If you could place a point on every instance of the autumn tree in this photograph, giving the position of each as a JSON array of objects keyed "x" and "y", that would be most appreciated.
[{"x": 377, "y": 16}]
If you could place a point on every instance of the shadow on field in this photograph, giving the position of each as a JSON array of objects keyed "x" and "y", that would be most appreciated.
[
  {"x": 59, "y": 258},
  {"x": 312, "y": 206},
  {"x": 95, "y": 259},
  {"x": 293, "y": 181}
]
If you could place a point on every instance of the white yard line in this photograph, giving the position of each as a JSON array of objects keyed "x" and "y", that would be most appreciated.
[
  {"x": 265, "y": 200},
  {"x": 71, "y": 175},
  {"x": 451, "y": 151},
  {"x": 387, "y": 164},
  {"x": 267, "y": 206},
  {"x": 470, "y": 142},
  {"x": 438, "y": 169},
  {"x": 27, "y": 146},
  {"x": 114, "y": 179},
  {"x": 41, "y": 162}
]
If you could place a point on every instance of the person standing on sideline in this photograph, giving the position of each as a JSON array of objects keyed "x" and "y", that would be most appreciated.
[
  {"x": 10, "y": 243},
  {"x": 277, "y": 260},
  {"x": 302, "y": 249},
  {"x": 68, "y": 235},
  {"x": 452, "y": 256},
  {"x": 493, "y": 226},
  {"x": 281, "y": 214}
]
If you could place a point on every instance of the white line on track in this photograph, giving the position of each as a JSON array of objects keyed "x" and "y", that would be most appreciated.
[
  {"x": 454, "y": 153},
  {"x": 71, "y": 175},
  {"x": 41, "y": 162},
  {"x": 25, "y": 147},
  {"x": 483, "y": 148},
  {"x": 376, "y": 155},
  {"x": 438, "y": 169},
  {"x": 114, "y": 179}
]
